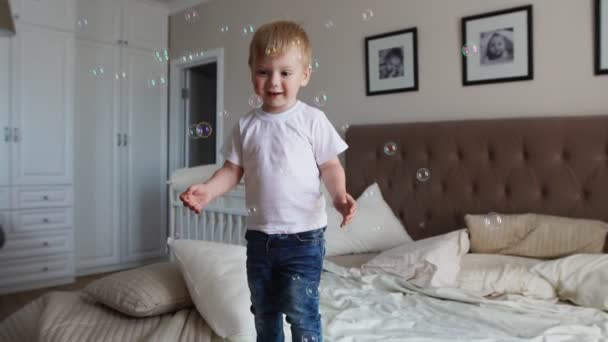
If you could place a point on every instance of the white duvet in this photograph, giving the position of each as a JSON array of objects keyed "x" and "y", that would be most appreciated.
[{"x": 386, "y": 308}]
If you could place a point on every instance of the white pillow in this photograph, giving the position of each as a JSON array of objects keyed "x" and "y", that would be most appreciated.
[
  {"x": 431, "y": 262},
  {"x": 375, "y": 228},
  {"x": 505, "y": 279},
  {"x": 216, "y": 277},
  {"x": 580, "y": 278}
]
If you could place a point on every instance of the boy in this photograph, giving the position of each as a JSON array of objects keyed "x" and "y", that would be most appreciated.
[{"x": 283, "y": 149}]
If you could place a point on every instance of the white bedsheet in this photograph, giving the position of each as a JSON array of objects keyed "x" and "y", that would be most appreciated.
[{"x": 386, "y": 308}]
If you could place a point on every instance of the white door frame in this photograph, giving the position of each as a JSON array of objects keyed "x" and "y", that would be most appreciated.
[{"x": 176, "y": 124}]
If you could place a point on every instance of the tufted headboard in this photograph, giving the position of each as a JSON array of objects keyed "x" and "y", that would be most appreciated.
[{"x": 556, "y": 166}]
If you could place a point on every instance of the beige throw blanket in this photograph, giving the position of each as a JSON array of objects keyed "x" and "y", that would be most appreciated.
[{"x": 66, "y": 317}]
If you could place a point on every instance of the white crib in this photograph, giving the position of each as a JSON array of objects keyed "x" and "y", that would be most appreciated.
[{"x": 222, "y": 221}]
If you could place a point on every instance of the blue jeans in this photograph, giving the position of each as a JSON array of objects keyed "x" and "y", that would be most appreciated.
[{"x": 284, "y": 271}]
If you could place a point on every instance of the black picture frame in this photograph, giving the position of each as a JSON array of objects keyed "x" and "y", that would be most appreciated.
[
  {"x": 381, "y": 79},
  {"x": 517, "y": 66},
  {"x": 601, "y": 41}
]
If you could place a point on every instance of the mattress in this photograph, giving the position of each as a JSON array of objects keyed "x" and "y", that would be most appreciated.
[{"x": 375, "y": 307}]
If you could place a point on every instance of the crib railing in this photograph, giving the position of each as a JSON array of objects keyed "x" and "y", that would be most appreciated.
[{"x": 222, "y": 221}]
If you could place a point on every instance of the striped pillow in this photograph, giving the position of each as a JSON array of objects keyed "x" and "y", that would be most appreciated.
[{"x": 142, "y": 292}]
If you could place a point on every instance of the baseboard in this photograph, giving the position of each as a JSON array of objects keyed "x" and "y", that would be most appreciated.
[
  {"x": 118, "y": 267},
  {"x": 36, "y": 285}
]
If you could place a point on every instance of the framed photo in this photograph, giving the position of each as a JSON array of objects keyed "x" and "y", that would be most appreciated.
[
  {"x": 497, "y": 47},
  {"x": 391, "y": 62},
  {"x": 601, "y": 37}
]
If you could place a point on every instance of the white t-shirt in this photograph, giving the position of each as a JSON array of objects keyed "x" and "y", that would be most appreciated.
[{"x": 281, "y": 154}]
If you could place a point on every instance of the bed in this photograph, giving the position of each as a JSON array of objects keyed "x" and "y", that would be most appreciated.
[{"x": 430, "y": 175}]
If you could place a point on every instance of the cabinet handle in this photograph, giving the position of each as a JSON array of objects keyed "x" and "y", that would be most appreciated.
[
  {"x": 119, "y": 139},
  {"x": 124, "y": 139},
  {"x": 16, "y": 136},
  {"x": 45, "y": 198},
  {"x": 45, "y": 220},
  {"x": 45, "y": 269},
  {"x": 7, "y": 134},
  {"x": 45, "y": 243}
]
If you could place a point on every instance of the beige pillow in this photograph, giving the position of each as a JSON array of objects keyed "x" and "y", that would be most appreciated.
[
  {"x": 535, "y": 235},
  {"x": 146, "y": 291}
]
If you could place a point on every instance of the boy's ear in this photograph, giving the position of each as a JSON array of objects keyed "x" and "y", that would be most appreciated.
[{"x": 306, "y": 75}]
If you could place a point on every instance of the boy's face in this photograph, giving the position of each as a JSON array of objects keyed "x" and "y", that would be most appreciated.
[{"x": 277, "y": 79}]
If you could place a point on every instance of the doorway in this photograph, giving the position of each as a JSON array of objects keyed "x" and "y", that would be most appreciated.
[
  {"x": 200, "y": 104},
  {"x": 197, "y": 96}
]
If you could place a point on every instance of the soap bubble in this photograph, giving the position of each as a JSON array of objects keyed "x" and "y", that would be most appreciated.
[
  {"x": 344, "y": 128},
  {"x": 320, "y": 99},
  {"x": 82, "y": 23},
  {"x": 493, "y": 221},
  {"x": 255, "y": 101},
  {"x": 252, "y": 210},
  {"x": 329, "y": 24},
  {"x": 204, "y": 129},
  {"x": 161, "y": 55},
  {"x": 224, "y": 114},
  {"x": 192, "y": 133},
  {"x": 247, "y": 30},
  {"x": 314, "y": 64},
  {"x": 469, "y": 50},
  {"x": 151, "y": 82},
  {"x": 97, "y": 71},
  {"x": 367, "y": 14},
  {"x": 423, "y": 174},
  {"x": 271, "y": 51},
  {"x": 312, "y": 292},
  {"x": 224, "y": 28},
  {"x": 390, "y": 148},
  {"x": 191, "y": 16},
  {"x": 308, "y": 337}
]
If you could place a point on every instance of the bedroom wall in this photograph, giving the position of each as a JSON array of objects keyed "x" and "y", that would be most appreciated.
[{"x": 564, "y": 83}]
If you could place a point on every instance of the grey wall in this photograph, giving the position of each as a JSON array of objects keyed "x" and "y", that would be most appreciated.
[{"x": 563, "y": 83}]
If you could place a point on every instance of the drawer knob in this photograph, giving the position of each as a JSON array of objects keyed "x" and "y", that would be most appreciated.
[
  {"x": 45, "y": 269},
  {"x": 45, "y": 243},
  {"x": 45, "y": 198},
  {"x": 45, "y": 220}
]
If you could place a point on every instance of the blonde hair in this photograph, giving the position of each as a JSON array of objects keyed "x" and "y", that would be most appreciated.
[{"x": 276, "y": 38}]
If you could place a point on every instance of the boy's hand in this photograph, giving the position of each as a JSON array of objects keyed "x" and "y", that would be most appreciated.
[
  {"x": 347, "y": 206},
  {"x": 196, "y": 197}
]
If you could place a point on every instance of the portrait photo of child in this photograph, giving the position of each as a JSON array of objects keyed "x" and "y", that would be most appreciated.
[
  {"x": 390, "y": 62},
  {"x": 497, "y": 46}
]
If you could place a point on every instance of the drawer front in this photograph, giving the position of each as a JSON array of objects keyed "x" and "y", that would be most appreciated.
[
  {"x": 42, "y": 197},
  {"x": 24, "y": 221},
  {"x": 5, "y": 217},
  {"x": 37, "y": 245},
  {"x": 5, "y": 199},
  {"x": 36, "y": 269}
]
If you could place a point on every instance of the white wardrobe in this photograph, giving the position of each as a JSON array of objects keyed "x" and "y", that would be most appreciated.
[
  {"x": 83, "y": 145},
  {"x": 120, "y": 135}
]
